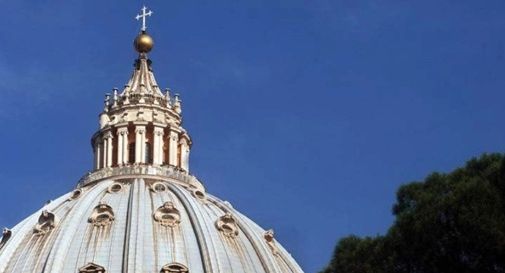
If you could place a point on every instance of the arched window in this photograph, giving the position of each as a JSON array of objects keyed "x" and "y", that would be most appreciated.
[
  {"x": 131, "y": 153},
  {"x": 167, "y": 215},
  {"x": 174, "y": 268},
  {"x": 102, "y": 215},
  {"x": 149, "y": 154}
]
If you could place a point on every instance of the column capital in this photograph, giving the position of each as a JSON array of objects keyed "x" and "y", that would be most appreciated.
[
  {"x": 174, "y": 135},
  {"x": 107, "y": 135},
  {"x": 159, "y": 131},
  {"x": 122, "y": 131},
  {"x": 183, "y": 141},
  {"x": 140, "y": 129}
]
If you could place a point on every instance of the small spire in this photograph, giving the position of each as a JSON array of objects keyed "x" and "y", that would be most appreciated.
[
  {"x": 177, "y": 103},
  {"x": 167, "y": 96},
  {"x": 115, "y": 97},
  {"x": 106, "y": 102}
]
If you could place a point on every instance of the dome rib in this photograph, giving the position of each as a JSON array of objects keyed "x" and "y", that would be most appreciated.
[
  {"x": 253, "y": 239},
  {"x": 63, "y": 244},
  {"x": 197, "y": 229}
]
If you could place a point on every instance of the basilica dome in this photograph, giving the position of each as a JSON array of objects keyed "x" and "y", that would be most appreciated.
[{"x": 140, "y": 209}]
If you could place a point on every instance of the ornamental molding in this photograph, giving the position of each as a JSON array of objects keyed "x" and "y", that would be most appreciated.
[
  {"x": 159, "y": 131},
  {"x": 102, "y": 215},
  {"x": 122, "y": 131},
  {"x": 269, "y": 238},
  {"x": 107, "y": 135},
  {"x": 163, "y": 173},
  {"x": 140, "y": 129},
  {"x": 227, "y": 225},
  {"x": 46, "y": 223},
  {"x": 183, "y": 141},
  {"x": 6, "y": 235},
  {"x": 167, "y": 215}
]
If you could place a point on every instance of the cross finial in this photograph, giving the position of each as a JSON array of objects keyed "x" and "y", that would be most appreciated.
[{"x": 143, "y": 16}]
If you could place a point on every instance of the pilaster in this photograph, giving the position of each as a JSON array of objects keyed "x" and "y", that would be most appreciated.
[
  {"x": 184, "y": 153},
  {"x": 97, "y": 150},
  {"x": 158, "y": 145},
  {"x": 173, "y": 139},
  {"x": 140, "y": 139},
  {"x": 122, "y": 149},
  {"x": 108, "y": 140}
]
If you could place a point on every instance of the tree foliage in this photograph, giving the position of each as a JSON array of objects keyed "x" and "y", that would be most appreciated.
[{"x": 447, "y": 223}]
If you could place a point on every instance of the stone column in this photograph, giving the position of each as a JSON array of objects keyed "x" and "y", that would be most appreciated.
[
  {"x": 97, "y": 153},
  {"x": 122, "y": 149},
  {"x": 172, "y": 147},
  {"x": 140, "y": 134},
  {"x": 184, "y": 146},
  {"x": 143, "y": 148},
  {"x": 126, "y": 154},
  {"x": 109, "y": 149},
  {"x": 158, "y": 146},
  {"x": 104, "y": 150},
  {"x": 119, "y": 147}
]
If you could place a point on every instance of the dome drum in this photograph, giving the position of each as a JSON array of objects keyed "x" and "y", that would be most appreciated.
[{"x": 141, "y": 143}]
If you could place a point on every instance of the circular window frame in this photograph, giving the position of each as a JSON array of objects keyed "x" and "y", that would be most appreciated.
[
  {"x": 76, "y": 194},
  {"x": 199, "y": 194},
  {"x": 155, "y": 187},
  {"x": 115, "y": 188}
]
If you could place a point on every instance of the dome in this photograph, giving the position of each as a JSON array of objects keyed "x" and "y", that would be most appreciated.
[
  {"x": 140, "y": 209},
  {"x": 144, "y": 220}
]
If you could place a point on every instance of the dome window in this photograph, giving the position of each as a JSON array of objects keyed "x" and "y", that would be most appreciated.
[
  {"x": 92, "y": 268},
  {"x": 174, "y": 268},
  {"x": 167, "y": 215},
  {"x": 227, "y": 225},
  {"x": 114, "y": 188},
  {"x": 47, "y": 221},
  {"x": 200, "y": 195},
  {"x": 102, "y": 215},
  {"x": 158, "y": 187},
  {"x": 76, "y": 194}
]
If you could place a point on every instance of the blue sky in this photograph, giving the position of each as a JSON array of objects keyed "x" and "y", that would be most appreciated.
[{"x": 305, "y": 115}]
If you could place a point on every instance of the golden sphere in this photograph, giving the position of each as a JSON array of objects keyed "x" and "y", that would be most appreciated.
[{"x": 143, "y": 43}]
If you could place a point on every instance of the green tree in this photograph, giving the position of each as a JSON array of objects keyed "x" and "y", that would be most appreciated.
[{"x": 447, "y": 223}]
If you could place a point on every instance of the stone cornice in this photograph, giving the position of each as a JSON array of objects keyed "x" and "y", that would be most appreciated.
[{"x": 164, "y": 173}]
